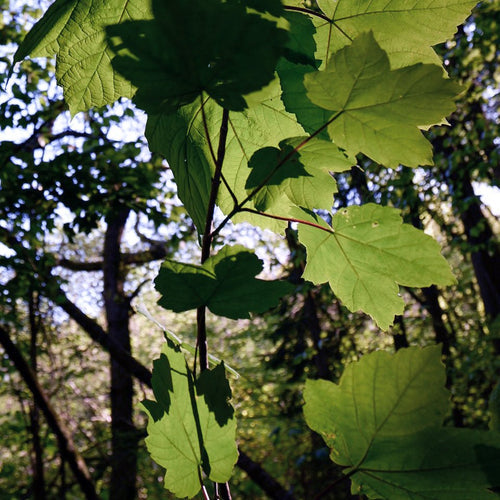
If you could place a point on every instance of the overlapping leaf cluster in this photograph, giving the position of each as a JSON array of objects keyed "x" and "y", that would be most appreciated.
[
  {"x": 257, "y": 104},
  {"x": 348, "y": 82}
]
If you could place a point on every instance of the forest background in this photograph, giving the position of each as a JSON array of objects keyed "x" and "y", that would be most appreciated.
[{"x": 86, "y": 217}]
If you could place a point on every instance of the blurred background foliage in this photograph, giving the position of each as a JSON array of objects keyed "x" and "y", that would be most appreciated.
[{"x": 87, "y": 215}]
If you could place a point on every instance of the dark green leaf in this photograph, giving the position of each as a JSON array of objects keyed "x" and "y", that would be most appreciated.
[
  {"x": 225, "y": 284},
  {"x": 178, "y": 55}
]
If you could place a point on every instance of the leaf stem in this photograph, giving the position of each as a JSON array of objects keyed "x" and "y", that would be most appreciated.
[
  {"x": 241, "y": 204},
  {"x": 310, "y": 12},
  {"x": 289, "y": 219},
  {"x": 208, "y": 237},
  {"x": 231, "y": 192},
  {"x": 304, "y": 10}
]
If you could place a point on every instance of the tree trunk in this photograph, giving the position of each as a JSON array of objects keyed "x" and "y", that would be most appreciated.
[
  {"x": 485, "y": 254},
  {"x": 124, "y": 439},
  {"x": 37, "y": 455},
  {"x": 399, "y": 333}
]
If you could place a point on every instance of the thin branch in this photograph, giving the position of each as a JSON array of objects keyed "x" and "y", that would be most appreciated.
[
  {"x": 261, "y": 477},
  {"x": 74, "y": 265},
  {"x": 333, "y": 485},
  {"x": 97, "y": 333},
  {"x": 156, "y": 252},
  {"x": 136, "y": 292},
  {"x": 206, "y": 245}
]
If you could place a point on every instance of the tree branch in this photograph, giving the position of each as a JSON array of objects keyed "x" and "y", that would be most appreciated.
[
  {"x": 156, "y": 252},
  {"x": 66, "y": 445},
  {"x": 97, "y": 333}
]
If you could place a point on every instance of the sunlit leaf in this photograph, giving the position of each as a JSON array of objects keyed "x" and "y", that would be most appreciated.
[
  {"x": 383, "y": 422},
  {"x": 407, "y": 31},
  {"x": 75, "y": 32},
  {"x": 191, "y": 426},
  {"x": 376, "y": 110},
  {"x": 365, "y": 253}
]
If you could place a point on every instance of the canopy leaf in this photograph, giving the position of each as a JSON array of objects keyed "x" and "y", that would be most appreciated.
[
  {"x": 407, "y": 31},
  {"x": 365, "y": 253},
  {"x": 376, "y": 110},
  {"x": 191, "y": 426},
  {"x": 299, "y": 173},
  {"x": 75, "y": 32},
  {"x": 225, "y": 283},
  {"x": 188, "y": 138},
  {"x": 383, "y": 421}
]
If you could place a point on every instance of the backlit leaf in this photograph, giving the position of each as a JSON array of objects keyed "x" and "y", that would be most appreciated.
[
  {"x": 376, "y": 110},
  {"x": 406, "y": 30},
  {"x": 383, "y": 421},
  {"x": 192, "y": 428},
  {"x": 180, "y": 137},
  {"x": 365, "y": 253},
  {"x": 75, "y": 32},
  {"x": 225, "y": 283},
  {"x": 185, "y": 143},
  {"x": 301, "y": 177}
]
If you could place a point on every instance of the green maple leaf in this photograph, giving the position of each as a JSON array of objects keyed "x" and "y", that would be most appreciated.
[
  {"x": 405, "y": 30},
  {"x": 365, "y": 253},
  {"x": 310, "y": 116},
  {"x": 225, "y": 284},
  {"x": 383, "y": 421},
  {"x": 191, "y": 426},
  {"x": 378, "y": 111},
  {"x": 179, "y": 137},
  {"x": 193, "y": 46},
  {"x": 75, "y": 32},
  {"x": 302, "y": 174},
  {"x": 182, "y": 139}
]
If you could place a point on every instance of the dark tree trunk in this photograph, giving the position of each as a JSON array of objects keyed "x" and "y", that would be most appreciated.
[
  {"x": 399, "y": 333},
  {"x": 124, "y": 439},
  {"x": 37, "y": 455},
  {"x": 485, "y": 254},
  {"x": 443, "y": 336},
  {"x": 311, "y": 323}
]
